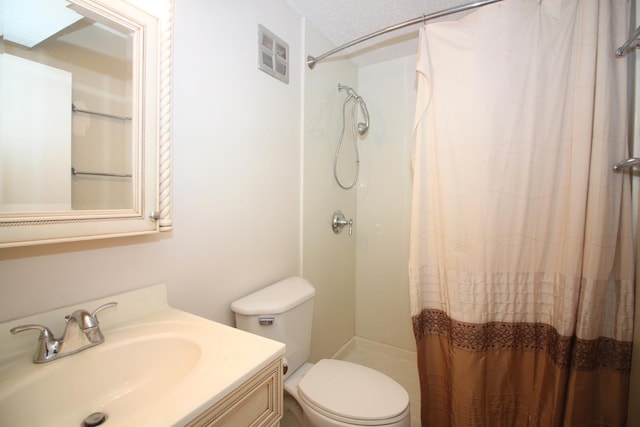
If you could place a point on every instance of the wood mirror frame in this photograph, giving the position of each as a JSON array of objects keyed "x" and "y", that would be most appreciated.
[{"x": 151, "y": 22}]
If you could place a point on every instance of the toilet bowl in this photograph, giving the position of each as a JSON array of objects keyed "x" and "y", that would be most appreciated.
[
  {"x": 331, "y": 393},
  {"x": 340, "y": 393}
]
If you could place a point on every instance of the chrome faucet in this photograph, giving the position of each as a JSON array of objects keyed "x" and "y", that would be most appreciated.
[{"x": 82, "y": 331}]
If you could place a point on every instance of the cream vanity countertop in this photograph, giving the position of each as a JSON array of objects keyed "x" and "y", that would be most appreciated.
[{"x": 158, "y": 366}]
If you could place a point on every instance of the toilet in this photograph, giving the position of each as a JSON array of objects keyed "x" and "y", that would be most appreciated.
[{"x": 330, "y": 392}]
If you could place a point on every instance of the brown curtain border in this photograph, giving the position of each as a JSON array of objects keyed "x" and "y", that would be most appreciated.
[{"x": 583, "y": 355}]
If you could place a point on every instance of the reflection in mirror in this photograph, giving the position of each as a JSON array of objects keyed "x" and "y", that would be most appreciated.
[
  {"x": 65, "y": 101},
  {"x": 85, "y": 119}
]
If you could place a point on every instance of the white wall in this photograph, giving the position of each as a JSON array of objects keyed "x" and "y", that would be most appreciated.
[
  {"x": 384, "y": 199},
  {"x": 236, "y": 180}
]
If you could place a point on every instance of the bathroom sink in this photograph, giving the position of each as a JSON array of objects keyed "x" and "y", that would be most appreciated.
[
  {"x": 162, "y": 369},
  {"x": 115, "y": 378}
]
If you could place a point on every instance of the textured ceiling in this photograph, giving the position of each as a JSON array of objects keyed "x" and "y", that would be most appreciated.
[{"x": 344, "y": 20}]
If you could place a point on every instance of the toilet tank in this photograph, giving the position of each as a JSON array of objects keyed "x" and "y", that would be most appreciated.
[{"x": 283, "y": 312}]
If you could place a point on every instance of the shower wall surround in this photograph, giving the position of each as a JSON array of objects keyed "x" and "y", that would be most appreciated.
[
  {"x": 361, "y": 278},
  {"x": 384, "y": 203},
  {"x": 328, "y": 260}
]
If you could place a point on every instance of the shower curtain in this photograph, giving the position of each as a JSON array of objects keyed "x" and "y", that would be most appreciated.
[{"x": 521, "y": 264}]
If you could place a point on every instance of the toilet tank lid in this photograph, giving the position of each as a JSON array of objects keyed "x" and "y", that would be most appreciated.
[{"x": 276, "y": 298}]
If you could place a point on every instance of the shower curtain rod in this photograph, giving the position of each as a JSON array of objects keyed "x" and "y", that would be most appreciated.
[
  {"x": 629, "y": 44},
  {"x": 313, "y": 60}
]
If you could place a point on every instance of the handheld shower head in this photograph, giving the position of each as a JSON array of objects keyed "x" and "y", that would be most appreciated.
[
  {"x": 362, "y": 127},
  {"x": 352, "y": 93}
]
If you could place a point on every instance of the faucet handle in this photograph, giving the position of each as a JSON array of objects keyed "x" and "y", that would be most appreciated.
[
  {"x": 44, "y": 331},
  {"x": 102, "y": 307},
  {"x": 48, "y": 346}
]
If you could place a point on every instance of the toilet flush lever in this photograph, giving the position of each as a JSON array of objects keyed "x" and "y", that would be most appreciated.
[
  {"x": 266, "y": 321},
  {"x": 339, "y": 221}
]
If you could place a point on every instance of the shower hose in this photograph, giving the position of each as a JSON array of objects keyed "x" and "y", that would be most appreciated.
[{"x": 355, "y": 145}]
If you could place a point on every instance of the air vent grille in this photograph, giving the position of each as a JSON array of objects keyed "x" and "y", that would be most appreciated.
[{"x": 273, "y": 54}]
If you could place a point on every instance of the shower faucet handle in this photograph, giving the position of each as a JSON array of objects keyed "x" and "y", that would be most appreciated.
[{"x": 339, "y": 221}]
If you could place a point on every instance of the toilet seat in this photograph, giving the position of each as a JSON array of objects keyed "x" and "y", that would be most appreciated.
[{"x": 353, "y": 393}]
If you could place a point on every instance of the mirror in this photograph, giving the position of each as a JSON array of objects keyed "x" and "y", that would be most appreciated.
[{"x": 85, "y": 119}]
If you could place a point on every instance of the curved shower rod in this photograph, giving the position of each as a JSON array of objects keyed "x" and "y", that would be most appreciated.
[{"x": 313, "y": 60}]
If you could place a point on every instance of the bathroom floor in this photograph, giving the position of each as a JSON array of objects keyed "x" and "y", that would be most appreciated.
[{"x": 396, "y": 363}]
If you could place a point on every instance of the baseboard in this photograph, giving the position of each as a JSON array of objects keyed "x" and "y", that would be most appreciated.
[{"x": 357, "y": 343}]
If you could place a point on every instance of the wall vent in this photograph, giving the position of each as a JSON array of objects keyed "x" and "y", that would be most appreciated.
[{"x": 273, "y": 54}]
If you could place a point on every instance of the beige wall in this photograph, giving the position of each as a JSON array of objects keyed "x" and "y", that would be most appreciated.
[
  {"x": 328, "y": 259},
  {"x": 384, "y": 197},
  {"x": 236, "y": 180}
]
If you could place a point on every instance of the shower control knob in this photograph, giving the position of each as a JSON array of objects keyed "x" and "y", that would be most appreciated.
[{"x": 339, "y": 221}]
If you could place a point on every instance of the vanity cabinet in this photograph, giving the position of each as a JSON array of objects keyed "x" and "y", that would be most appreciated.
[{"x": 257, "y": 402}]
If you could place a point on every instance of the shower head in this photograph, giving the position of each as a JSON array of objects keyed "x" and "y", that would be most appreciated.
[
  {"x": 362, "y": 126},
  {"x": 352, "y": 93}
]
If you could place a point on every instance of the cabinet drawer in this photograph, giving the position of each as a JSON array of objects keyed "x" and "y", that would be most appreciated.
[{"x": 257, "y": 402}]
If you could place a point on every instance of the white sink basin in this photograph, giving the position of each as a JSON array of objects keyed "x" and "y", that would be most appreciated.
[
  {"x": 160, "y": 370},
  {"x": 113, "y": 377}
]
